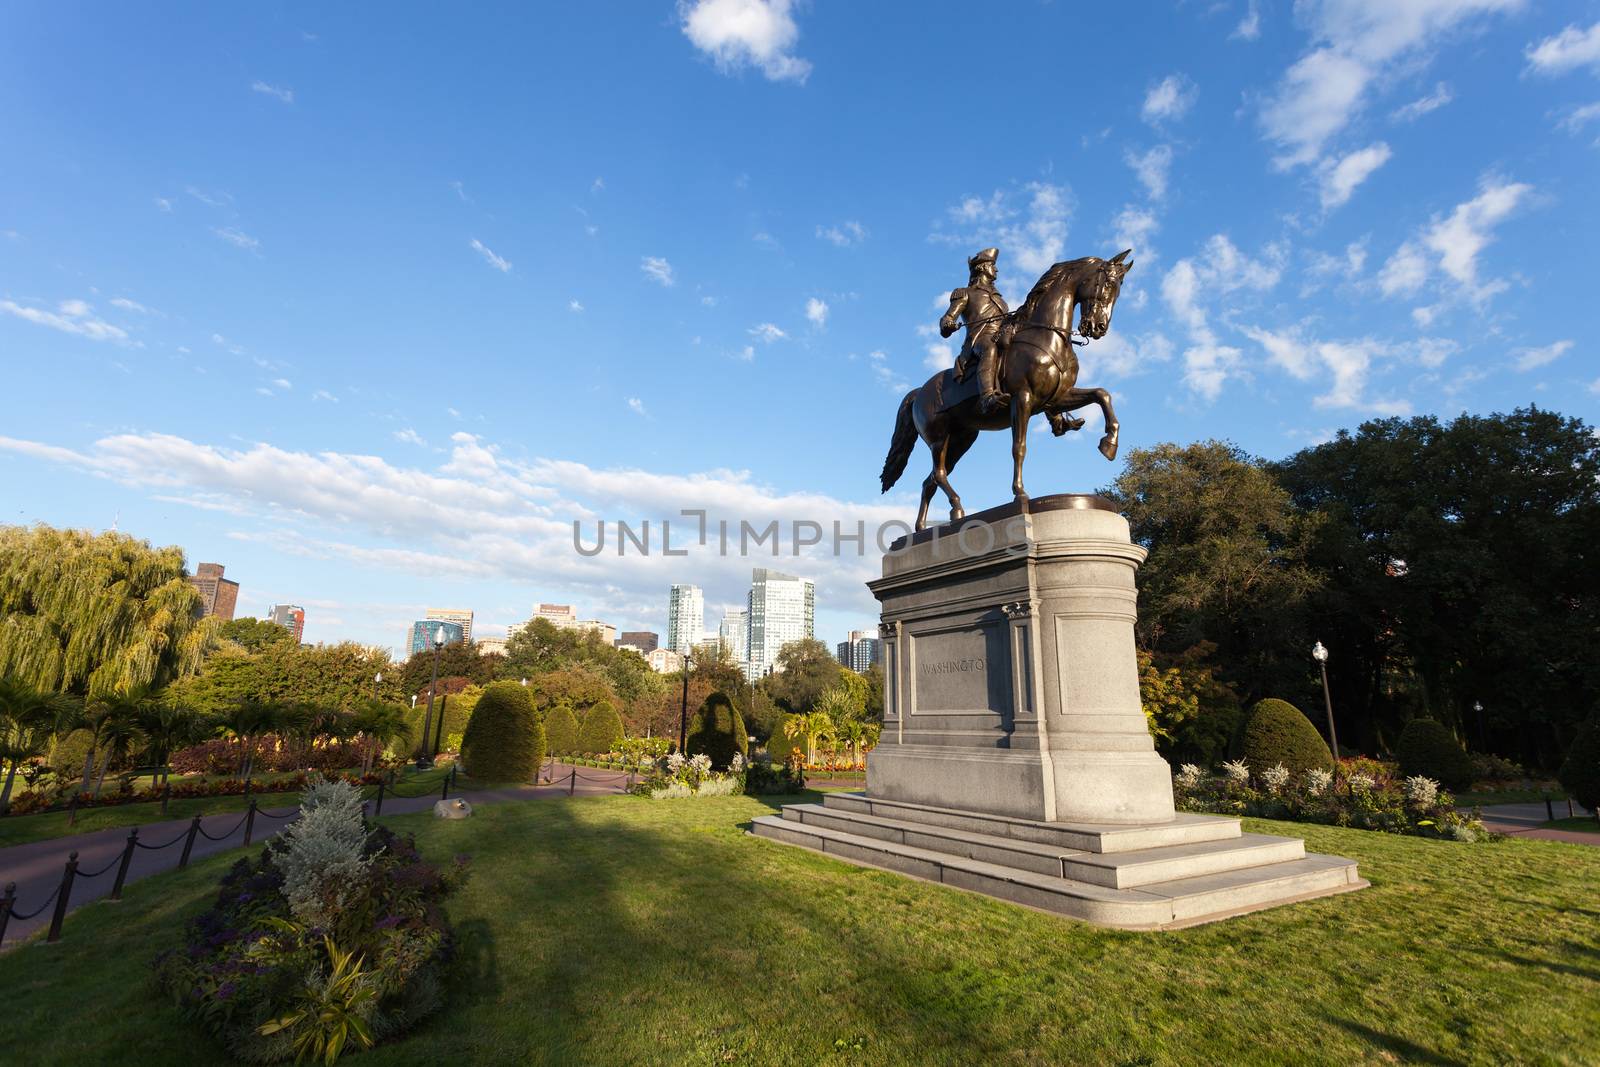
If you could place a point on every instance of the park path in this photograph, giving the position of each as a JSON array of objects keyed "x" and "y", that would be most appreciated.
[
  {"x": 1525, "y": 820},
  {"x": 36, "y": 867}
]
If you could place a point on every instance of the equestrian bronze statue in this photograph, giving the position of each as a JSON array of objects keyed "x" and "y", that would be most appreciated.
[{"x": 1026, "y": 365}]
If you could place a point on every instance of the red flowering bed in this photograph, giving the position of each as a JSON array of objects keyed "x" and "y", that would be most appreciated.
[
  {"x": 44, "y": 800},
  {"x": 271, "y": 753}
]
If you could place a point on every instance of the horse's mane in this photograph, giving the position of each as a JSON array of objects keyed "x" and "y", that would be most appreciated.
[{"x": 1049, "y": 281}]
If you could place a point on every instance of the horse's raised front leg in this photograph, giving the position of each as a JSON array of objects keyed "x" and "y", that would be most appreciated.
[
  {"x": 1021, "y": 412},
  {"x": 1077, "y": 398}
]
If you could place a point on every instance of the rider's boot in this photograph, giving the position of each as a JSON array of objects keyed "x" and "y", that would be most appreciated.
[{"x": 992, "y": 401}]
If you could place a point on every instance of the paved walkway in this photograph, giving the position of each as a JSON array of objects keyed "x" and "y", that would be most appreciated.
[
  {"x": 1525, "y": 820},
  {"x": 36, "y": 867}
]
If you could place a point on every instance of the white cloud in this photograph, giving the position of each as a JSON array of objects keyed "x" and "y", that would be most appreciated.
[
  {"x": 574, "y": 305},
  {"x": 1424, "y": 105},
  {"x": 1133, "y": 228},
  {"x": 1337, "y": 180},
  {"x": 164, "y": 204},
  {"x": 286, "y": 95},
  {"x": 938, "y": 355},
  {"x": 1152, "y": 168},
  {"x": 237, "y": 237},
  {"x": 323, "y": 394},
  {"x": 1532, "y": 358},
  {"x": 1356, "y": 43},
  {"x": 597, "y": 186},
  {"x": 1346, "y": 365},
  {"x": 885, "y": 374},
  {"x": 817, "y": 312},
  {"x": 740, "y": 33},
  {"x": 129, "y": 305},
  {"x": 1568, "y": 50},
  {"x": 657, "y": 269},
  {"x": 636, "y": 405},
  {"x": 1580, "y": 117},
  {"x": 497, "y": 262},
  {"x": 213, "y": 199},
  {"x": 1034, "y": 236},
  {"x": 282, "y": 383},
  {"x": 1192, "y": 287},
  {"x": 767, "y": 333},
  {"x": 1249, "y": 27},
  {"x": 409, "y": 436},
  {"x": 1348, "y": 265},
  {"x": 747, "y": 353},
  {"x": 844, "y": 234},
  {"x": 1122, "y": 355},
  {"x": 70, "y": 316},
  {"x": 1169, "y": 99},
  {"x": 1455, "y": 241}
]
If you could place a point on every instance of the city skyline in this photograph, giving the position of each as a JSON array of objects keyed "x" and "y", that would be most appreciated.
[{"x": 395, "y": 377}]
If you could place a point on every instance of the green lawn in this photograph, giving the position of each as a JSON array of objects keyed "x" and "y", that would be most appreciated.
[
  {"x": 617, "y": 930},
  {"x": 21, "y": 829},
  {"x": 1584, "y": 824},
  {"x": 1510, "y": 796}
]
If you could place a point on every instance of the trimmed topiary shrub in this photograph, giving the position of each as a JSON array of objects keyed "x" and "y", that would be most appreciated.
[
  {"x": 717, "y": 730},
  {"x": 782, "y": 749},
  {"x": 561, "y": 731},
  {"x": 68, "y": 754},
  {"x": 601, "y": 729},
  {"x": 1427, "y": 748},
  {"x": 1580, "y": 771},
  {"x": 504, "y": 740},
  {"x": 1276, "y": 732}
]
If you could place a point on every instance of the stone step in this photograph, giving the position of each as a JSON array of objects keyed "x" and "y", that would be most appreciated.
[
  {"x": 1119, "y": 870},
  {"x": 1075, "y": 837},
  {"x": 1161, "y": 905}
]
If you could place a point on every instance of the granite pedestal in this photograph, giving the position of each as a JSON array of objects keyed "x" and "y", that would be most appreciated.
[{"x": 1015, "y": 756}]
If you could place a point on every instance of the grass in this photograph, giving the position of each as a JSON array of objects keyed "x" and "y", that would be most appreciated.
[
  {"x": 43, "y": 826},
  {"x": 1583, "y": 824},
  {"x": 619, "y": 930},
  {"x": 1508, "y": 796}
]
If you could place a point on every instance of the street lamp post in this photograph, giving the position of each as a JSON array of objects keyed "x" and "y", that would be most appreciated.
[
  {"x": 424, "y": 759},
  {"x": 1319, "y": 652},
  {"x": 1483, "y": 727},
  {"x": 377, "y": 680},
  {"x": 683, "y": 709}
]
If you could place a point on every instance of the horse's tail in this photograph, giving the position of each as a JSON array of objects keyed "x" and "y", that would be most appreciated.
[{"x": 905, "y": 439}]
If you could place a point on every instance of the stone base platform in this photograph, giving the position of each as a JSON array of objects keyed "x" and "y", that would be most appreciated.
[{"x": 1158, "y": 876}]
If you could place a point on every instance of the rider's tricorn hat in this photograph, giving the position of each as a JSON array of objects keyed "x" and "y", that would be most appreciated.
[{"x": 988, "y": 255}]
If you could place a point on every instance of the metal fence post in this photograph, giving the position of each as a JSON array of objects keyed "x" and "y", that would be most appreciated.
[
  {"x": 72, "y": 809},
  {"x": 249, "y": 820},
  {"x": 166, "y": 795},
  {"x": 188, "y": 844},
  {"x": 572, "y": 782},
  {"x": 7, "y": 903},
  {"x": 67, "y": 876},
  {"x": 379, "y": 810},
  {"x": 122, "y": 868},
  {"x": 1549, "y": 810},
  {"x": 444, "y": 791},
  {"x": 1570, "y": 812}
]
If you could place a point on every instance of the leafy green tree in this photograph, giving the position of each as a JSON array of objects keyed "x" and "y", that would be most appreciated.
[
  {"x": 539, "y": 648},
  {"x": 252, "y": 634},
  {"x": 94, "y": 614},
  {"x": 1580, "y": 771},
  {"x": 455, "y": 661},
  {"x": 246, "y": 721},
  {"x": 1428, "y": 748},
  {"x": 561, "y": 730},
  {"x": 504, "y": 741},
  {"x": 805, "y": 670},
  {"x": 324, "y": 676},
  {"x": 166, "y": 727},
  {"x": 601, "y": 729},
  {"x": 1193, "y": 716},
  {"x": 111, "y": 723},
  {"x": 381, "y": 726}
]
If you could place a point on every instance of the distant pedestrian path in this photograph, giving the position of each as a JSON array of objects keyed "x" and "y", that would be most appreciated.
[
  {"x": 37, "y": 868},
  {"x": 1527, "y": 819}
]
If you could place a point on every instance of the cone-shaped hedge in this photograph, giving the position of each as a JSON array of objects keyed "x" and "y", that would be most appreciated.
[
  {"x": 561, "y": 731},
  {"x": 1427, "y": 748},
  {"x": 718, "y": 731},
  {"x": 1276, "y": 732},
  {"x": 601, "y": 729},
  {"x": 504, "y": 741},
  {"x": 1580, "y": 771}
]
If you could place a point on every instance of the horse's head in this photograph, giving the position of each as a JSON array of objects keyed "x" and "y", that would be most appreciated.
[{"x": 1097, "y": 294}]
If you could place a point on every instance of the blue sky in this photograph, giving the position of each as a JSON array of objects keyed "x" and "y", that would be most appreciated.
[{"x": 371, "y": 303}]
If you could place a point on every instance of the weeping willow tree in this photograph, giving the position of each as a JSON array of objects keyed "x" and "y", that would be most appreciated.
[{"x": 96, "y": 614}]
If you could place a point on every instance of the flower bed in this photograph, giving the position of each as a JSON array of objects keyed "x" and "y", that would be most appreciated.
[
  {"x": 268, "y": 753},
  {"x": 182, "y": 789},
  {"x": 329, "y": 941},
  {"x": 1363, "y": 794},
  {"x": 672, "y": 777}
]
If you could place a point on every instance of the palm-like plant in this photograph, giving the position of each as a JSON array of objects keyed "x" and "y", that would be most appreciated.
[
  {"x": 382, "y": 725},
  {"x": 852, "y": 732},
  {"x": 244, "y": 722},
  {"x": 120, "y": 736},
  {"x": 167, "y": 727},
  {"x": 111, "y": 721},
  {"x": 28, "y": 719},
  {"x": 820, "y": 727}
]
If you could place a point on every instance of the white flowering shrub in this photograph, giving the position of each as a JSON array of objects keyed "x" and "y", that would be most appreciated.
[
  {"x": 1361, "y": 783},
  {"x": 1189, "y": 776},
  {"x": 320, "y": 852},
  {"x": 737, "y": 764},
  {"x": 1422, "y": 791},
  {"x": 1318, "y": 781},
  {"x": 701, "y": 763},
  {"x": 1275, "y": 777},
  {"x": 1237, "y": 771}
]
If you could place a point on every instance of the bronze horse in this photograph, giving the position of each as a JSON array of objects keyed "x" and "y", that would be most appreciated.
[{"x": 1038, "y": 368}]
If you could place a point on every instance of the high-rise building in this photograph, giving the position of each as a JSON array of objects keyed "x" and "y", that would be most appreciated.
[
  {"x": 562, "y": 616},
  {"x": 218, "y": 595},
  {"x": 783, "y": 608},
  {"x": 664, "y": 661},
  {"x": 291, "y": 617},
  {"x": 422, "y": 631},
  {"x": 641, "y": 641},
  {"x": 460, "y": 616},
  {"x": 860, "y": 650},
  {"x": 491, "y": 646},
  {"x": 686, "y": 618},
  {"x": 606, "y": 632},
  {"x": 734, "y": 633}
]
